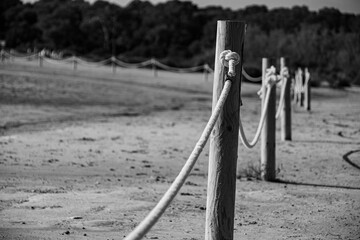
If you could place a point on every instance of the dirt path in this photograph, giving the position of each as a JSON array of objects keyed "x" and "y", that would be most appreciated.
[{"x": 96, "y": 174}]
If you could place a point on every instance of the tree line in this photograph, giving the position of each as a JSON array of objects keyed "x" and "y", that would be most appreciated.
[{"x": 181, "y": 34}]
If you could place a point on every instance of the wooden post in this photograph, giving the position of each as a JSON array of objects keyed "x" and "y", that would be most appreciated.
[
  {"x": 224, "y": 138},
  {"x": 286, "y": 110},
  {"x": 307, "y": 91},
  {"x": 154, "y": 67},
  {"x": 113, "y": 65},
  {"x": 268, "y": 169},
  {"x": 2, "y": 53},
  {"x": 206, "y": 72},
  {"x": 75, "y": 63},
  {"x": 41, "y": 59},
  {"x": 301, "y": 88}
]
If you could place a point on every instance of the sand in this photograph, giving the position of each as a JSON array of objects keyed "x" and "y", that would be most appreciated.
[{"x": 87, "y": 154}]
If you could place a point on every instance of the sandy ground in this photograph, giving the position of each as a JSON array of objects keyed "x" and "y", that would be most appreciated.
[{"x": 87, "y": 154}]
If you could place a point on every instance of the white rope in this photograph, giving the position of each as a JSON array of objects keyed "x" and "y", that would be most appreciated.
[
  {"x": 165, "y": 201},
  {"x": 243, "y": 138},
  {"x": 132, "y": 65},
  {"x": 250, "y": 78},
  {"x": 179, "y": 70},
  {"x": 230, "y": 59},
  {"x": 85, "y": 62},
  {"x": 269, "y": 81}
]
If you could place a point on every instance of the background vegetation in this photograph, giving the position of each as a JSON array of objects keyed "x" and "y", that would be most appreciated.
[{"x": 182, "y": 34}]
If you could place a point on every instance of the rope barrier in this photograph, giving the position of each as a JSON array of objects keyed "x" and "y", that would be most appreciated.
[
  {"x": 165, "y": 201},
  {"x": 243, "y": 138}
]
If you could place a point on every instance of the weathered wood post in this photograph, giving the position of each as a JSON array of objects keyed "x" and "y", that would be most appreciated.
[
  {"x": 286, "y": 110},
  {"x": 224, "y": 138},
  {"x": 74, "y": 63},
  {"x": 153, "y": 63},
  {"x": 113, "y": 64},
  {"x": 301, "y": 88},
  {"x": 41, "y": 58},
  {"x": 206, "y": 72},
  {"x": 268, "y": 169},
  {"x": 2, "y": 53},
  {"x": 307, "y": 91}
]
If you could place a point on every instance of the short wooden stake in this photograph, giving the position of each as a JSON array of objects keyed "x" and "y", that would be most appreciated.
[
  {"x": 224, "y": 138},
  {"x": 307, "y": 91},
  {"x": 41, "y": 60},
  {"x": 286, "y": 110},
  {"x": 113, "y": 65},
  {"x": 301, "y": 88},
  {"x": 74, "y": 63},
  {"x": 206, "y": 72},
  {"x": 2, "y": 53},
  {"x": 154, "y": 67},
  {"x": 268, "y": 169}
]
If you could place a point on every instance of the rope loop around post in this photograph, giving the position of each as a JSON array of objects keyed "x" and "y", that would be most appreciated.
[{"x": 230, "y": 59}]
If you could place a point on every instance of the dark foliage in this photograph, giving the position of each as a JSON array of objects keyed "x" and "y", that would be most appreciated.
[{"x": 181, "y": 34}]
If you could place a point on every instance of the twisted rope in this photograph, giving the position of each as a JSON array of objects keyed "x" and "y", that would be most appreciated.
[
  {"x": 165, "y": 201},
  {"x": 284, "y": 74},
  {"x": 243, "y": 138},
  {"x": 230, "y": 59}
]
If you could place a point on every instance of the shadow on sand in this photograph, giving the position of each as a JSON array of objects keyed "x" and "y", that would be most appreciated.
[
  {"x": 315, "y": 185},
  {"x": 346, "y": 158}
]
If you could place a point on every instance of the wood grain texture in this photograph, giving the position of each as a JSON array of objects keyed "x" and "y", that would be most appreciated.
[
  {"x": 268, "y": 169},
  {"x": 224, "y": 138},
  {"x": 286, "y": 111}
]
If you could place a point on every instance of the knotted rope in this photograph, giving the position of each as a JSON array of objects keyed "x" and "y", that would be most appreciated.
[
  {"x": 284, "y": 75},
  {"x": 165, "y": 201},
  {"x": 230, "y": 59},
  {"x": 270, "y": 80}
]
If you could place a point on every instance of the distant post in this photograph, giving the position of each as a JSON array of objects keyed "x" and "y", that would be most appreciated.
[
  {"x": 206, "y": 72},
  {"x": 153, "y": 63},
  {"x": 74, "y": 63},
  {"x": 286, "y": 110},
  {"x": 224, "y": 138},
  {"x": 113, "y": 65},
  {"x": 307, "y": 91},
  {"x": 2, "y": 55},
  {"x": 41, "y": 58},
  {"x": 301, "y": 88},
  {"x": 268, "y": 170}
]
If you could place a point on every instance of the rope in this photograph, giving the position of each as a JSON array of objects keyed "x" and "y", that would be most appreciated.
[
  {"x": 243, "y": 138},
  {"x": 250, "y": 78},
  {"x": 165, "y": 201},
  {"x": 230, "y": 59},
  {"x": 180, "y": 70},
  {"x": 269, "y": 81}
]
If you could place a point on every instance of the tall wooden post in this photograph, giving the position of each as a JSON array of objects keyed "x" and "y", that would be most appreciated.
[
  {"x": 224, "y": 138},
  {"x": 307, "y": 91},
  {"x": 286, "y": 110},
  {"x": 268, "y": 169}
]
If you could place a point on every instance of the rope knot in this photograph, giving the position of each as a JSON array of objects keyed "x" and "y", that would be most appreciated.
[
  {"x": 285, "y": 72},
  {"x": 270, "y": 76},
  {"x": 230, "y": 59}
]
